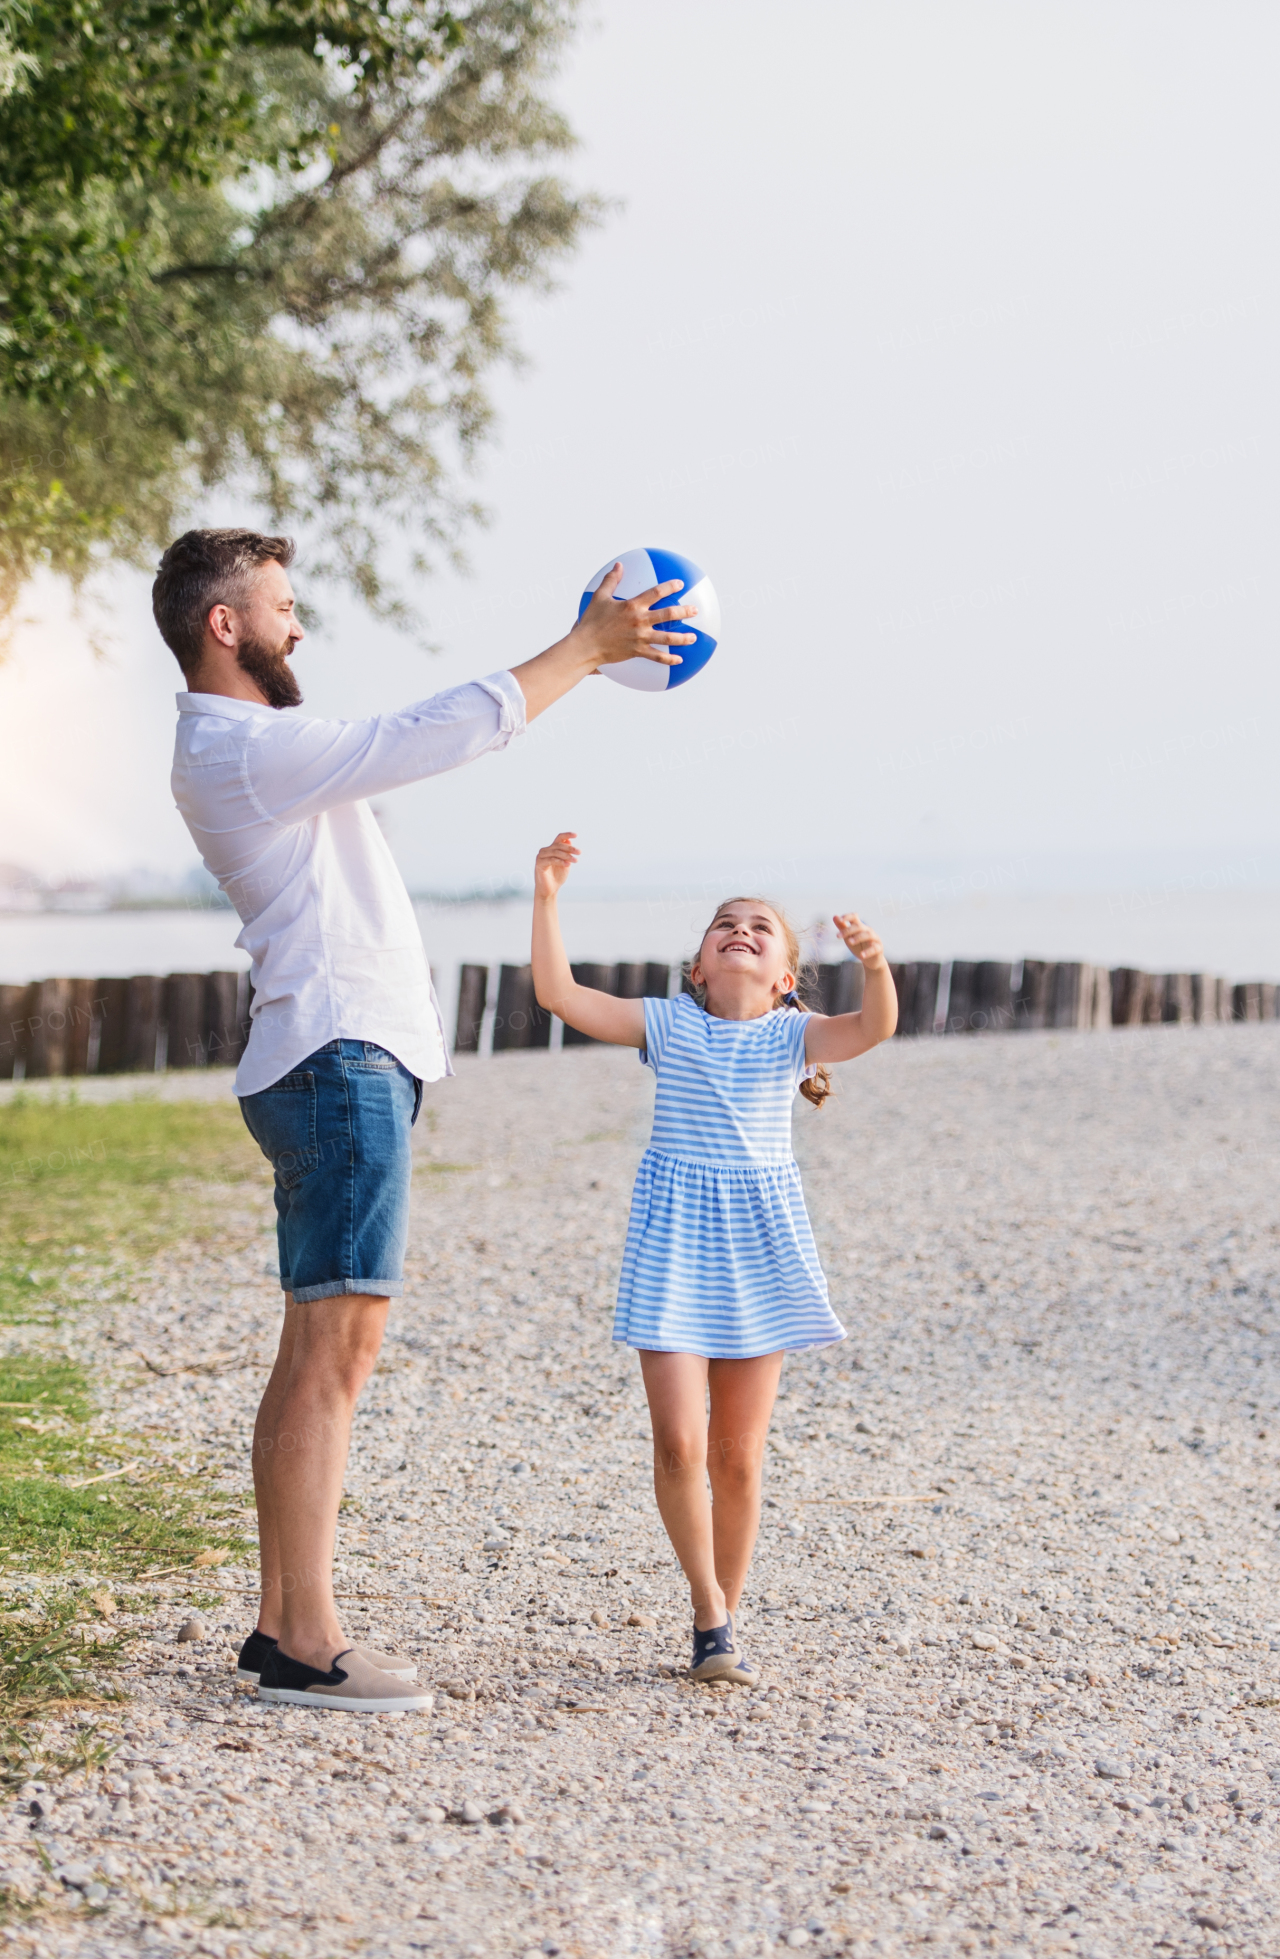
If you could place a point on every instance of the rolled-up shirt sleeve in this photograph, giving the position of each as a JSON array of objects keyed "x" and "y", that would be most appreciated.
[{"x": 303, "y": 767}]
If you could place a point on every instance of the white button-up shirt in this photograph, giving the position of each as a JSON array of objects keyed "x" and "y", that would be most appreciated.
[{"x": 275, "y": 803}]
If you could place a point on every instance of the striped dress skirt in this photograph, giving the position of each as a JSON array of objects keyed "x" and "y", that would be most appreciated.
[{"x": 720, "y": 1261}]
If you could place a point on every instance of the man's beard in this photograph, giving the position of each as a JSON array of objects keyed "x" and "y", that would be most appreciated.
[{"x": 268, "y": 667}]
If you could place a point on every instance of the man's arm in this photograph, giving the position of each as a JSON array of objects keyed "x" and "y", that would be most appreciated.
[
  {"x": 298, "y": 767},
  {"x": 609, "y": 630},
  {"x": 308, "y": 766}
]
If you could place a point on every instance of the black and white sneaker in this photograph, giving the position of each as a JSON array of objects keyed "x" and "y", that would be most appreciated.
[
  {"x": 259, "y": 1644},
  {"x": 252, "y": 1654},
  {"x": 717, "y": 1656},
  {"x": 352, "y": 1685}
]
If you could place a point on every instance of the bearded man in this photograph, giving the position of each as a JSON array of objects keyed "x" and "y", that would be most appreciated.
[{"x": 345, "y": 1027}]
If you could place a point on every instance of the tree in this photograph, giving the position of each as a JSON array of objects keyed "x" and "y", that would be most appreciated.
[{"x": 249, "y": 250}]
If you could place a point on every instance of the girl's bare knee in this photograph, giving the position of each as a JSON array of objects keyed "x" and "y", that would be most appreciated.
[
  {"x": 734, "y": 1475},
  {"x": 676, "y": 1452}
]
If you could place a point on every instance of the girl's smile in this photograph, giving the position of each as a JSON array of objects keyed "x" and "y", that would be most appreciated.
[{"x": 744, "y": 943}]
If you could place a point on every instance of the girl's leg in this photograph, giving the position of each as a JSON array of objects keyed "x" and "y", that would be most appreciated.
[
  {"x": 676, "y": 1385},
  {"x": 742, "y": 1397}
]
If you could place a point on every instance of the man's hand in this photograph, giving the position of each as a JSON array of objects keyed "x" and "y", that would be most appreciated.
[
  {"x": 553, "y": 864},
  {"x": 625, "y": 629},
  {"x": 609, "y": 630},
  {"x": 860, "y": 939}
]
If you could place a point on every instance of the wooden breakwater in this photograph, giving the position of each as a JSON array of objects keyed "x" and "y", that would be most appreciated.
[
  {"x": 122, "y": 1026},
  {"x": 956, "y": 996},
  {"x": 147, "y": 1024}
]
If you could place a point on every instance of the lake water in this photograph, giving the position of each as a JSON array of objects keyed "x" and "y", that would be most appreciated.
[{"x": 1236, "y": 933}]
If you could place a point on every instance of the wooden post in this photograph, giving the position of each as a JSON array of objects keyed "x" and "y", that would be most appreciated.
[
  {"x": 113, "y": 1025},
  {"x": 1071, "y": 995},
  {"x": 1266, "y": 1000},
  {"x": 1245, "y": 1004},
  {"x": 1204, "y": 998},
  {"x": 1153, "y": 999},
  {"x": 226, "y": 1018},
  {"x": 904, "y": 985},
  {"x": 15, "y": 1004},
  {"x": 1128, "y": 991},
  {"x": 48, "y": 1028},
  {"x": 519, "y": 1022},
  {"x": 144, "y": 1001},
  {"x": 960, "y": 998},
  {"x": 1178, "y": 1009},
  {"x": 641, "y": 979},
  {"x": 473, "y": 987},
  {"x": 184, "y": 1017},
  {"x": 992, "y": 997},
  {"x": 599, "y": 977},
  {"x": 1031, "y": 998},
  {"x": 838, "y": 987},
  {"x": 82, "y": 1042},
  {"x": 924, "y": 1009}
]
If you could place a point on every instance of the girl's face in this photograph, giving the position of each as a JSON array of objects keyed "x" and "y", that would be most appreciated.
[{"x": 745, "y": 940}]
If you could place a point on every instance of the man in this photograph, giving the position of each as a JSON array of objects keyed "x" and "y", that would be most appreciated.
[{"x": 345, "y": 1026}]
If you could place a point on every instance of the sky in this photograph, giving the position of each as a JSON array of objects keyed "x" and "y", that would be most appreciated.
[{"x": 943, "y": 338}]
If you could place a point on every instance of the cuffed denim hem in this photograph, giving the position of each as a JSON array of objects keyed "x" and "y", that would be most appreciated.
[
  {"x": 337, "y": 1288},
  {"x": 337, "y": 1133}
]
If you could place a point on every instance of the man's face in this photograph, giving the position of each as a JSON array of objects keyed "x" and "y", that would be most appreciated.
[{"x": 268, "y": 633}]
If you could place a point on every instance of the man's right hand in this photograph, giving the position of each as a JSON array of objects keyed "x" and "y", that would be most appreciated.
[
  {"x": 609, "y": 630},
  {"x": 625, "y": 629}
]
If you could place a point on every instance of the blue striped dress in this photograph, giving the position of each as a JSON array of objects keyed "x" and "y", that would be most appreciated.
[{"x": 720, "y": 1258}]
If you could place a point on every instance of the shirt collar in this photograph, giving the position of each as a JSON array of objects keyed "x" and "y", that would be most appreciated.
[{"x": 227, "y": 706}]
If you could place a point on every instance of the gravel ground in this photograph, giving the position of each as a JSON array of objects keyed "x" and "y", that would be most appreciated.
[{"x": 1026, "y": 1708}]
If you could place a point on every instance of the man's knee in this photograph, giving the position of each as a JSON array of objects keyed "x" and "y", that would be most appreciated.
[{"x": 343, "y": 1341}]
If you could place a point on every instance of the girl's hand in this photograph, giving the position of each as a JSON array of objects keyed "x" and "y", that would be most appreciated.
[
  {"x": 861, "y": 940},
  {"x": 553, "y": 864}
]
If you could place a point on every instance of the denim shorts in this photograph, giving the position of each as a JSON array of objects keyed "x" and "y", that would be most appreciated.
[{"x": 336, "y": 1133}]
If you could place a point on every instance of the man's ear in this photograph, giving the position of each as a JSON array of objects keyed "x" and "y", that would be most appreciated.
[{"x": 222, "y": 624}]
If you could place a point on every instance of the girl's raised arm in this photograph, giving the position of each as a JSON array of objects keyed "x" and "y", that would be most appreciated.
[
  {"x": 842, "y": 1037},
  {"x": 591, "y": 1012}
]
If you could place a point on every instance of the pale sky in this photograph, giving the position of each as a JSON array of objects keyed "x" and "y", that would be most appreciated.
[{"x": 944, "y": 339}]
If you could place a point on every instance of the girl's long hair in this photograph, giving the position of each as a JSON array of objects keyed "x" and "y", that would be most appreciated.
[{"x": 816, "y": 1087}]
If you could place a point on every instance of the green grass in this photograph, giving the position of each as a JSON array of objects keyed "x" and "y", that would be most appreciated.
[
  {"x": 47, "y": 1655},
  {"x": 121, "y": 1526},
  {"x": 88, "y": 1194},
  {"x": 83, "y": 1180}
]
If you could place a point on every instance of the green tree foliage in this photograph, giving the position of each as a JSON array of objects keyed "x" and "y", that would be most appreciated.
[{"x": 265, "y": 245}]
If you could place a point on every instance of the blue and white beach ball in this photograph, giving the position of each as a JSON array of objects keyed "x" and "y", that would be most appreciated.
[{"x": 640, "y": 570}]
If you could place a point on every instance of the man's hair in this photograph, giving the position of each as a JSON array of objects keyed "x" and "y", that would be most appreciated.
[{"x": 202, "y": 569}]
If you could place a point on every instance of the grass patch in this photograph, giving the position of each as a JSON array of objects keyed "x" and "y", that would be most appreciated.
[
  {"x": 85, "y": 1180},
  {"x": 152, "y": 1515},
  {"x": 88, "y": 1193},
  {"x": 47, "y": 1658}
]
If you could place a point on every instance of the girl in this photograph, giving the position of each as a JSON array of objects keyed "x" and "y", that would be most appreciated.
[{"x": 720, "y": 1275}]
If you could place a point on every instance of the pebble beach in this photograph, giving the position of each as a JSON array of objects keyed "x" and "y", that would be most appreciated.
[{"x": 1014, "y": 1605}]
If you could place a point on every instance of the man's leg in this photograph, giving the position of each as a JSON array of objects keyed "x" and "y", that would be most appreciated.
[
  {"x": 327, "y": 1353},
  {"x": 264, "y": 1439},
  {"x": 337, "y": 1132}
]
